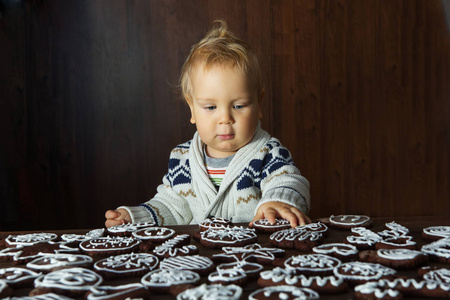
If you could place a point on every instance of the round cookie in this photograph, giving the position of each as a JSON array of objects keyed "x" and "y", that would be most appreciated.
[
  {"x": 434, "y": 233},
  {"x": 251, "y": 269},
  {"x": 312, "y": 264},
  {"x": 107, "y": 246},
  {"x": 342, "y": 251},
  {"x": 72, "y": 282},
  {"x": 395, "y": 258},
  {"x": 29, "y": 239},
  {"x": 393, "y": 230},
  {"x": 212, "y": 291},
  {"x": 126, "y": 265},
  {"x": 227, "y": 236},
  {"x": 321, "y": 284},
  {"x": 439, "y": 250},
  {"x": 178, "y": 245},
  {"x": 264, "y": 226},
  {"x": 118, "y": 292},
  {"x": 18, "y": 278},
  {"x": 228, "y": 276},
  {"x": 361, "y": 272},
  {"x": 128, "y": 228},
  {"x": 201, "y": 264},
  {"x": 155, "y": 235},
  {"x": 347, "y": 222},
  {"x": 161, "y": 280},
  {"x": 438, "y": 275},
  {"x": 283, "y": 292},
  {"x": 302, "y": 238},
  {"x": 53, "y": 262},
  {"x": 363, "y": 239},
  {"x": 214, "y": 222},
  {"x": 398, "y": 242}
]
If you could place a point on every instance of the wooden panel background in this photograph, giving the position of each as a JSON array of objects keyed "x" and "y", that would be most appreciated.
[{"x": 359, "y": 91}]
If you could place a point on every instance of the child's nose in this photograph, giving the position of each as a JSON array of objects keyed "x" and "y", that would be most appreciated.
[{"x": 226, "y": 118}]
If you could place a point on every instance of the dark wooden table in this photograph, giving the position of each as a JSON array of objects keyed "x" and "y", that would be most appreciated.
[{"x": 414, "y": 224}]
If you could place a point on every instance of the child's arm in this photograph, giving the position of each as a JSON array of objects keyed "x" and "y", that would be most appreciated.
[
  {"x": 273, "y": 209},
  {"x": 116, "y": 217}
]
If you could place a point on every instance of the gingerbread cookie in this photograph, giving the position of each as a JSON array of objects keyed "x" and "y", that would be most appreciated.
[
  {"x": 398, "y": 242},
  {"x": 436, "y": 232},
  {"x": 347, "y": 222},
  {"x": 28, "y": 239},
  {"x": 393, "y": 230},
  {"x": 283, "y": 292},
  {"x": 227, "y": 236},
  {"x": 321, "y": 284},
  {"x": 119, "y": 292},
  {"x": 128, "y": 228},
  {"x": 214, "y": 222},
  {"x": 77, "y": 238},
  {"x": 395, "y": 258},
  {"x": 178, "y": 245},
  {"x": 312, "y": 264},
  {"x": 342, "y": 251},
  {"x": 438, "y": 275},
  {"x": 410, "y": 287},
  {"x": 363, "y": 238},
  {"x": 439, "y": 250},
  {"x": 161, "y": 280},
  {"x": 107, "y": 246},
  {"x": 251, "y": 269},
  {"x": 156, "y": 235},
  {"x": 53, "y": 262},
  {"x": 126, "y": 265},
  {"x": 252, "y": 252},
  {"x": 264, "y": 226},
  {"x": 21, "y": 254},
  {"x": 302, "y": 238},
  {"x": 361, "y": 272},
  {"x": 372, "y": 290},
  {"x": 212, "y": 291},
  {"x": 71, "y": 282},
  {"x": 201, "y": 264},
  {"x": 18, "y": 277}
]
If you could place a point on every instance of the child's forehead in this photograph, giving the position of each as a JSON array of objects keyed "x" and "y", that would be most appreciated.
[{"x": 204, "y": 67}]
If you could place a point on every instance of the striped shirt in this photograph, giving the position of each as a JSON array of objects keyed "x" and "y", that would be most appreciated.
[{"x": 216, "y": 168}]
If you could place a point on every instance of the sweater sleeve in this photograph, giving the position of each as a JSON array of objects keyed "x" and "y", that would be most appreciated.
[{"x": 282, "y": 181}]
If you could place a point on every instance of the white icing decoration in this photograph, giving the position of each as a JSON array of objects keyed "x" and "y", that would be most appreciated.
[
  {"x": 338, "y": 248},
  {"x": 227, "y": 275},
  {"x": 440, "y": 275},
  {"x": 130, "y": 227},
  {"x": 169, "y": 277},
  {"x": 234, "y": 234},
  {"x": 247, "y": 267},
  {"x": 154, "y": 233},
  {"x": 79, "y": 279},
  {"x": 47, "y": 296},
  {"x": 362, "y": 271},
  {"x": 398, "y": 254},
  {"x": 109, "y": 243},
  {"x": 399, "y": 241},
  {"x": 349, "y": 220},
  {"x": 312, "y": 232},
  {"x": 30, "y": 239},
  {"x": 374, "y": 288},
  {"x": 278, "y": 275},
  {"x": 439, "y": 248},
  {"x": 438, "y": 231},
  {"x": 108, "y": 292},
  {"x": 250, "y": 251},
  {"x": 411, "y": 282},
  {"x": 213, "y": 291},
  {"x": 51, "y": 261},
  {"x": 189, "y": 262},
  {"x": 266, "y": 224},
  {"x": 125, "y": 263},
  {"x": 312, "y": 262},
  {"x": 14, "y": 275},
  {"x": 363, "y": 236},
  {"x": 284, "y": 292}
]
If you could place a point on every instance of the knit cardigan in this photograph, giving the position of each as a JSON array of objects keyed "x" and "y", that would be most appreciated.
[{"x": 261, "y": 171}]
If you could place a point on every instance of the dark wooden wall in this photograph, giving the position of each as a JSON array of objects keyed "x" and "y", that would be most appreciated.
[{"x": 359, "y": 91}]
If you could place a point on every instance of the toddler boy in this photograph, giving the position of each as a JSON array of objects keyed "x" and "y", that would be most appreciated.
[{"x": 231, "y": 168}]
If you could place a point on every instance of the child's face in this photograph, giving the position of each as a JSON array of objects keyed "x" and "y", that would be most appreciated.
[{"x": 224, "y": 109}]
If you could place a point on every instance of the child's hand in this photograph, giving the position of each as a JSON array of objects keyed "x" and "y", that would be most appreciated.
[
  {"x": 273, "y": 209},
  {"x": 117, "y": 217}
]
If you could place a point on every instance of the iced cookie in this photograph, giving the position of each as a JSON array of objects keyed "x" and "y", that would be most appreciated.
[
  {"x": 439, "y": 250},
  {"x": 302, "y": 238},
  {"x": 201, "y": 264},
  {"x": 119, "y": 292},
  {"x": 161, "y": 280},
  {"x": 312, "y": 264},
  {"x": 361, "y": 272},
  {"x": 156, "y": 235},
  {"x": 214, "y": 222},
  {"x": 436, "y": 232},
  {"x": 53, "y": 262},
  {"x": 18, "y": 277},
  {"x": 128, "y": 228},
  {"x": 126, "y": 265},
  {"x": 347, "y": 222},
  {"x": 264, "y": 226},
  {"x": 212, "y": 291},
  {"x": 363, "y": 239},
  {"x": 178, "y": 245},
  {"x": 395, "y": 258},
  {"x": 342, "y": 251},
  {"x": 107, "y": 246},
  {"x": 227, "y": 236},
  {"x": 252, "y": 252},
  {"x": 286, "y": 292}
]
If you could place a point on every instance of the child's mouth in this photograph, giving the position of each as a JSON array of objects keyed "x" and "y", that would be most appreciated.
[{"x": 225, "y": 136}]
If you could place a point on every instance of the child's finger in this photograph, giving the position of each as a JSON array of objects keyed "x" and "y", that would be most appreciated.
[
  {"x": 112, "y": 214},
  {"x": 259, "y": 215}
]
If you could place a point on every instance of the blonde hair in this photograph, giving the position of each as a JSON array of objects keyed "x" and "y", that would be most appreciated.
[{"x": 221, "y": 47}]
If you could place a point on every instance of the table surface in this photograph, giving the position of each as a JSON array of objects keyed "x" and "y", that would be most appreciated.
[{"x": 414, "y": 224}]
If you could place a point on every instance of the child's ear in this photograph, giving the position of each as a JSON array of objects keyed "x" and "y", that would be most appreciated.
[
  {"x": 191, "y": 107},
  {"x": 260, "y": 114}
]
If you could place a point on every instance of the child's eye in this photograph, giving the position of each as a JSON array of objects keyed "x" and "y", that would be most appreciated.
[
  {"x": 239, "y": 106},
  {"x": 210, "y": 107}
]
